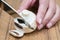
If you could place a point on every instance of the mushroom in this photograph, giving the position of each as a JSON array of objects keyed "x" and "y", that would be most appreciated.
[{"x": 24, "y": 24}]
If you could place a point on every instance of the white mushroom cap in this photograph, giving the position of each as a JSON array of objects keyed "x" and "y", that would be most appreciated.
[{"x": 30, "y": 19}]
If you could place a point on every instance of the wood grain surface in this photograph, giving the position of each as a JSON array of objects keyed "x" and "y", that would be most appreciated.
[{"x": 6, "y": 24}]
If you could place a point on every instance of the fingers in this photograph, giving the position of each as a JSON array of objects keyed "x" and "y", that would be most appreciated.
[
  {"x": 42, "y": 10},
  {"x": 43, "y": 5},
  {"x": 33, "y": 2},
  {"x": 55, "y": 18},
  {"x": 25, "y": 4},
  {"x": 50, "y": 13}
]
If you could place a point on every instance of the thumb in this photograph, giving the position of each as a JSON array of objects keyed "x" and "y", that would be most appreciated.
[{"x": 25, "y": 5}]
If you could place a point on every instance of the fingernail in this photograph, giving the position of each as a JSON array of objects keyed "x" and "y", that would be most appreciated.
[
  {"x": 49, "y": 25},
  {"x": 40, "y": 27},
  {"x": 40, "y": 21}
]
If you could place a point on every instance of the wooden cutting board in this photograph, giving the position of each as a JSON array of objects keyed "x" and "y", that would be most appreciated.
[{"x": 6, "y": 24}]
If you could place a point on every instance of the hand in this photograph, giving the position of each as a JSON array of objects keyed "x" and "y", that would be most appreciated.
[{"x": 48, "y": 12}]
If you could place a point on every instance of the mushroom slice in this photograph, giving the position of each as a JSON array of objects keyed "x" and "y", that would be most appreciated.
[{"x": 16, "y": 33}]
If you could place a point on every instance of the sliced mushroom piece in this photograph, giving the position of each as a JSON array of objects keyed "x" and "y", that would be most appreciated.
[{"x": 16, "y": 33}]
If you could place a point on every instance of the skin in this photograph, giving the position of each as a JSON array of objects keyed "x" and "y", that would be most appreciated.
[{"x": 48, "y": 12}]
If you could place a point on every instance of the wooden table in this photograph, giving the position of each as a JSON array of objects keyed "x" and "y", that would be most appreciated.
[{"x": 6, "y": 24}]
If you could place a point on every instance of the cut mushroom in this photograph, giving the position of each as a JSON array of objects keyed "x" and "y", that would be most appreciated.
[
  {"x": 24, "y": 24},
  {"x": 16, "y": 33}
]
